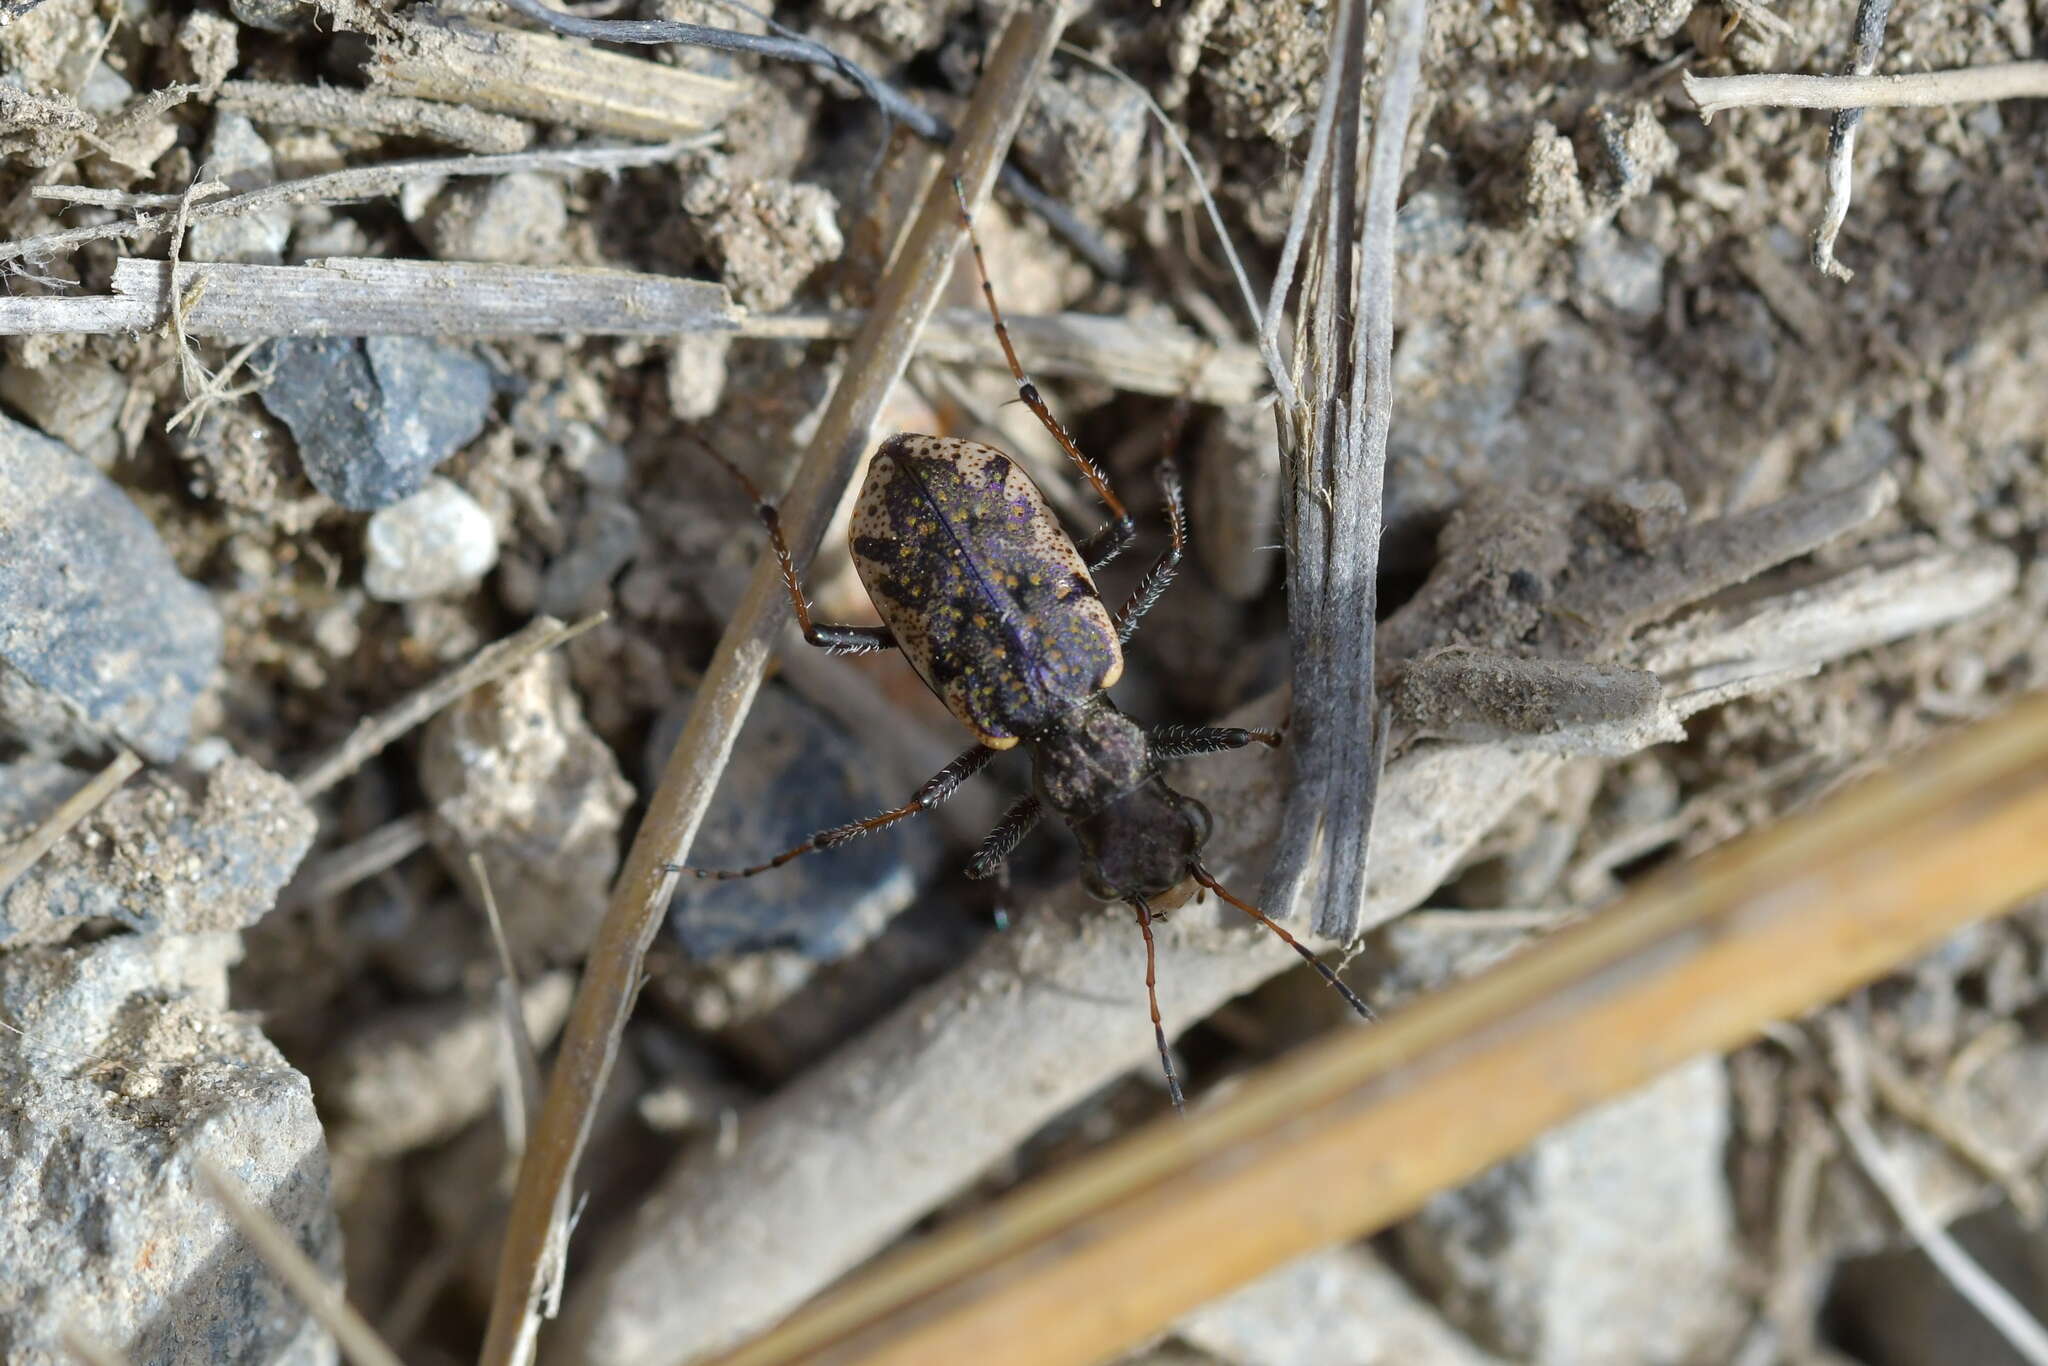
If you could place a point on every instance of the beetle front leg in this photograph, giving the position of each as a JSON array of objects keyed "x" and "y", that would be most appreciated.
[
  {"x": 1184, "y": 742},
  {"x": 1003, "y": 840}
]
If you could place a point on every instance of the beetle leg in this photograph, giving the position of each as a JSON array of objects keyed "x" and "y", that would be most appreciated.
[
  {"x": 838, "y": 640},
  {"x": 936, "y": 789},
  {"x": 1184, "y": 742},
  {"x": 1004, "y": 839},
  {"x": 1146, "y": 915},
  {"x": 1167, "y": 565},
  {"x": 1119, "y": 530}
]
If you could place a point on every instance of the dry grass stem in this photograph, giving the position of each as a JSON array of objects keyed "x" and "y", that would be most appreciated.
[
  {"x": 1870, "y": 21},
  {"x": 19, "y": 857},
  {"x": 1139, "y": 357},
  {"x": 336, "y": 107},
  {"x": 908, "y": 293},
  {"x": 1335, "y": 444},
  {"x": 495, "y": 660},
  {"x": 1695, "y": 959},
  {"x": 1916, "y": 90},
  {"x": 356, "y": 183},
  {"x": 843, "y": 1159},
  {"x": 370, "y": 296},
  {"x": 327, "y": 875},
  {"x": 547, "y": 79},
  {"x": 359, "y": 1342}
]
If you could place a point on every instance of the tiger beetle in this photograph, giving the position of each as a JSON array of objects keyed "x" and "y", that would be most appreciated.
[{"x": 996, "y": 608}]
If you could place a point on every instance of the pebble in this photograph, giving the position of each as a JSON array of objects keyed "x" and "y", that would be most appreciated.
[
  {"x": 373, "y": 416},
  {"x": 152, "y": 856},
  {"x": 518, "y": 219},
  {"x": 437, "y": 541},
  {"x": 123, "y": 1067},
  {"x": 792, "y": 774},
  {"x": 1083, "y": 136},
  {"x": 1623, "y": 272},
  {"x": 100, "y": 637}
]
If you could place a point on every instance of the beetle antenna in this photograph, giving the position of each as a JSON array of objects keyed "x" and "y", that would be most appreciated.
[
  {"x": 1152, "y": 996},
  {"x": 1351, "y": 997}
]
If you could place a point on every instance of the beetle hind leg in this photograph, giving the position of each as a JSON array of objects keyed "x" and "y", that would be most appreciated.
[{"x": 936, "y": 789}]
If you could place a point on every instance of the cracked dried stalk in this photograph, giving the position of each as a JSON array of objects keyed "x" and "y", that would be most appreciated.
[
  {"x": 1334, "y": 444},
  {"x": 604, "y": 999}
]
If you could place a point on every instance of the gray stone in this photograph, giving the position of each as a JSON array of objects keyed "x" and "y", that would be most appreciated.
[
  {"x": 77, "y": 400},
  {"x": 606, "y": 538},
  {"x": 100, "y": 637},
  {"x": 437, "y": 541},
  {"x": 151, "y": 856},
  {"x": 1545, "y": 1258},
  {"x": 126, "y": 1071},
  {"x": 792, "y": 774},
  {"x": 517, "y": 775},
  {"x": 373, "y": 416}
]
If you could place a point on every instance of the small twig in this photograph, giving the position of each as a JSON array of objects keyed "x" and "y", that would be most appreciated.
[
  {"x": 786, "y": 46},
  {"x": 522, "y": 1089},
  {"x": 19, "y": 858},
  {"x": 1970, "y": 1280},
  {"x": 127, "y": 199},
  {"x": 363, "y": 182},
  {"x": 328, "y": 875},
  {"x": 374, "y": 733},
  {"x": 908, "y": 293},
  {"x": 282, "y": 1255},
  {"x": 1917, "y": 90},
  {"x": 1870, "y": 21}
]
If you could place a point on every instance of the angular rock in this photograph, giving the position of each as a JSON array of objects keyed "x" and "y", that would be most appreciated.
[
  {"x": 127, "y": 1070},
  {"x": 237, "y": 154},
  {"x": 152, "y": 857},
  {"x": 1546, "y": 1257},
  {"x": 373, "y": 416},
  {"x": 517, "y": 775},
  {"x": 792, "y": 774},
  {"x": 100, "y": 637}
]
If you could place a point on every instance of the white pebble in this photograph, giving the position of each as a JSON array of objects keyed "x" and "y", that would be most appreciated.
[{"x": 434, "y": 542}]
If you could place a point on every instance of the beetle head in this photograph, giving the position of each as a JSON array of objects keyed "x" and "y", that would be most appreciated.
[{"x": 1142, "y": 844}]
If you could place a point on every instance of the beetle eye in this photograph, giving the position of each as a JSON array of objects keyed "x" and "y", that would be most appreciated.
[
  {"x": 1096, "y": 885},
  {"x": 1199, "y": 820}
]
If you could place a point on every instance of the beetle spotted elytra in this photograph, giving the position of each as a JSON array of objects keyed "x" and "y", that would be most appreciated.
[{"x": 995, "y": 606}]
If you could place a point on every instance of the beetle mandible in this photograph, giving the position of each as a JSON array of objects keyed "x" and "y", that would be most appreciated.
[{"x": 995, "y": 606}]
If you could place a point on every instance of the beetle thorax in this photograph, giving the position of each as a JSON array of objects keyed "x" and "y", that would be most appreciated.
[{"x": 1095, "y": 755}]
